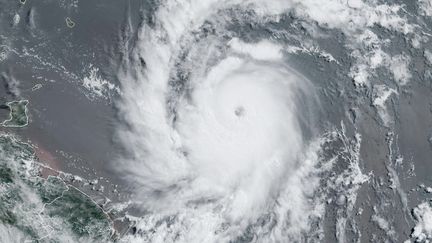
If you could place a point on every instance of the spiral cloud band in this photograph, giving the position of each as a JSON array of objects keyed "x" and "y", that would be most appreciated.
[
  {"x": 239, "y": 131},
  {"x": 212, "y": 152}
]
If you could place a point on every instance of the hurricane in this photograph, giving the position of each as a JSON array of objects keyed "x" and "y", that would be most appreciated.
[
  {"x": 217, "y": 127},
  {"x": 215, "y": 121}
]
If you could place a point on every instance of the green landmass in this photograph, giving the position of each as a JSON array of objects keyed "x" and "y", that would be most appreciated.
[
  {"x": 44, "y": 209},
  {"x": 18, "y": 114}
]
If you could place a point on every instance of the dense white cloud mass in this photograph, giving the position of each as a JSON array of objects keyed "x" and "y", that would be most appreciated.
[
  {"x": 218, "y": 163},
  {"x": 221, "y": 152},
  {"x": 423, "y": 229},
  {"x": 234, "y": 140}
]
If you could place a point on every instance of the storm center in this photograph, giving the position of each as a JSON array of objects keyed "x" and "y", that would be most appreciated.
[{"x": 239, "y": 111}]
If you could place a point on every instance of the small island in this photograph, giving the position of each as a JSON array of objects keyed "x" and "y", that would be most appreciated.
[{"x": 18, "y": 114}]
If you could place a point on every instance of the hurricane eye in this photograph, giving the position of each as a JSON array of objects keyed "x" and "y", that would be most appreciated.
[{"x": 239, "y": 111}]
